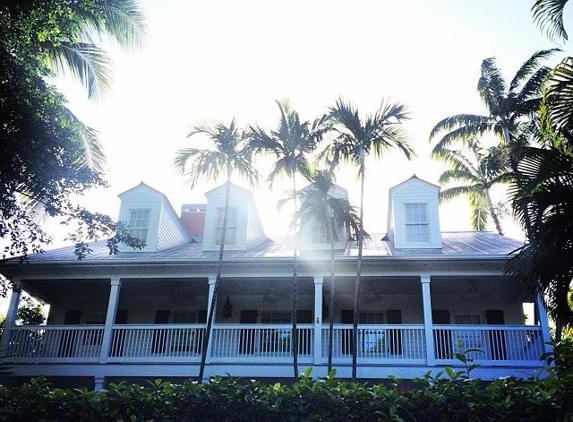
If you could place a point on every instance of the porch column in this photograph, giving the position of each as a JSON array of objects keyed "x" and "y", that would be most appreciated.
[
  {"x": 212, "y": 281},
  {"x": 318, "y": 283},
  {"x": 428, "y": 323},
  {"x": 544, "y": 324},
  {"x": 110, "y": 319},
  {"x": 11, "y": 316},
  {"x": 99, "y": 383}
]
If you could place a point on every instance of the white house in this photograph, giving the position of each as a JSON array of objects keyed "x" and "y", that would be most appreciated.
[{"x": 141, "y": 314}]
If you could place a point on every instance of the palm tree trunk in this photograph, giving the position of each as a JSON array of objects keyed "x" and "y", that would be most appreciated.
[
  {"x": 295, "y": 291},
  {"x": 358, "y": 270},
  {"x": 492, "y": 213},
  {"x": 331, "y": 307},
  {"x": 211, "y": 315}
]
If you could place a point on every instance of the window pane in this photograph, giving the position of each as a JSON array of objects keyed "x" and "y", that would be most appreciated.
[
  {"x": 416, "y": 223},
  {"x": 139, "y": 223}
]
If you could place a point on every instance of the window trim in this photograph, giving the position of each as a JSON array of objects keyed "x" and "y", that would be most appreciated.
[
  {"x": 138, "y": 231},
  {"x": 231, "y": 229},
  {"x": 410, "y": 237}
]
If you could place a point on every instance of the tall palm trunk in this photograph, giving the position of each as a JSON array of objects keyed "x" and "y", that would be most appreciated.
[
  {"x": 331, "y": 302},
  {"x": 295, "y": 291},
  {"x": 358, "y": 269},
  {"x": 213, "y": 304},
  {"x": 492, "y": 212}
]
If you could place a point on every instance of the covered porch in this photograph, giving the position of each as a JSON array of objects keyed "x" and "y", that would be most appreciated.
[{"x": 154, "y": 327}]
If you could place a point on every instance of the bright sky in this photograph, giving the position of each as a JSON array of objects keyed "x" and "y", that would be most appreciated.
[{"x": 212, "y": 60}]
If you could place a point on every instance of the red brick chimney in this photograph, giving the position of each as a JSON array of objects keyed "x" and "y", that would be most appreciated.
[{"x": 193, "y": 218}]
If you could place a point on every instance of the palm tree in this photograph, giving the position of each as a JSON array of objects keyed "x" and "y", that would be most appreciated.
[
  {"x": 290, "y": 143},
  {"x": 558, "y": 102},
  {"x": 355, "y": 138},
  {"x": 508, "y": 107},
  {"x": 478, "y": 169},
  {"x": 511, "y": 108},
  {"x": 118, "y": 20},
  {"x": 544, "y": 187},
  {"x": 548, "y": 14},
  {"x": 319, "y": 206},
  {"x": 230, "y": 152}
]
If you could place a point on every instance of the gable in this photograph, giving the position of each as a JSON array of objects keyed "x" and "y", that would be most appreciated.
[
  {"x": 413, "y": 215},
  {"x": 244, "y": 226},
  {"x": 150, "y": 215}
]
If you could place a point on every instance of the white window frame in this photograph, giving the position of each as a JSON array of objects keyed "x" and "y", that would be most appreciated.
[
  {"x": 139, "y": 220},
  {"x": 231, "y": 230},
  {"x": 417, "y": 224}
]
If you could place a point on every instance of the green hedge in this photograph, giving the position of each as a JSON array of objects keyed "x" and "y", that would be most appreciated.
[{"x": 449, "y": 397}]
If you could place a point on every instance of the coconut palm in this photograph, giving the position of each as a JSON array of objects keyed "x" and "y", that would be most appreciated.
[
  {"x": 356, "y": 137},
  {"x": 291, "y": 143},
  {"x": 548, "y": 14},
  {"x": 319, "y": 206},
  {"x": 508, "y": 106},
  {"x": 544, "y": 187},
  {"x": 118, "y": 20},
  {"x": 558, "y": 102},
  {"x": 229, "y": 152},
  {"x": 476, "y": 170}
]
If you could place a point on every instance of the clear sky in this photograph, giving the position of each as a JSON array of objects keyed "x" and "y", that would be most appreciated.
[{"x": 212, "y": 60}]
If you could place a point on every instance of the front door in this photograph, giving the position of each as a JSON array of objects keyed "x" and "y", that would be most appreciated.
[
  {"x": 395, "y": 336},
  {"x": 69, "y": 337},
  {"x": 160, "y": 336},
  {"x": 304, "y": 336},
  {"x": 442, "y": 338},
  {"x": 347, "y": 317},
  {"x": 497, "y": 345},
  {"x": 247, "y": 337}
]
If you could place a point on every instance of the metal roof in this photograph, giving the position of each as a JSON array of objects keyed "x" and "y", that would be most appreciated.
[{"x": 454, "y": 244}]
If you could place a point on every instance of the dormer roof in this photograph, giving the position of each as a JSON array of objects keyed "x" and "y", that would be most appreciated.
[
  {"x": 159, "y": 223},
  {"x": 413, "y": 215},
  {"x": 244, "y": 226}
]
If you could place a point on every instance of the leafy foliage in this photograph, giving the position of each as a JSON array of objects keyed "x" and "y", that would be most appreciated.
[
  {"x": 49, "y": 155},
  {"x": 543, "y": 195},
  {"x": 548, "y": 14},
  {"x": 444, "y": 397}
]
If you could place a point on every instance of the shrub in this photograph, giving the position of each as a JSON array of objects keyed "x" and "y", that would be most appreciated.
[{"x": 448, "y": 396}]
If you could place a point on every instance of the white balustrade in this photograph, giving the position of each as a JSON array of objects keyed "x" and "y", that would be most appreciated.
[{"x": 492, "y": 345}]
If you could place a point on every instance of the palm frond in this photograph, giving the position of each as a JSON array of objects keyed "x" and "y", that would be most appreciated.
[
  {"x": 559, "y": 99},
  {"x": 85, "y": 61},
  {"x": 548, "y": 15},
  {"x": 530, "y": 68},
  {"x": 479, "y": 210},
  {"x": 491, "y": 86}
]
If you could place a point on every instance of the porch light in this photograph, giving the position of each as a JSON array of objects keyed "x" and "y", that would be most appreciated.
[{"x": 227, "y": 309}]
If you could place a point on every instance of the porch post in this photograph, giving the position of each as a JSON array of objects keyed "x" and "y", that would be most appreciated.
[
  {"x": 544, "y": 324},
  {"x": 110, "y": 319},
  {"x": 11, "y": 317},
  {"x": 428, "y": 323},
  {"x": 212, "y": 281},
  {"x": 318, "y": 283}
]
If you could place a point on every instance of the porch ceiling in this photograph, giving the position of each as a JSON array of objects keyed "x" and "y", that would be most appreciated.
[{"x": 500, "y": 287}]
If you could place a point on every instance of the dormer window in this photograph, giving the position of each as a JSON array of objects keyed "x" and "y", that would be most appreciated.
[
  {"x": 231, "y": 232},
  {"x": 416, "y": 223},
  {"x": 139, "y": 223}
]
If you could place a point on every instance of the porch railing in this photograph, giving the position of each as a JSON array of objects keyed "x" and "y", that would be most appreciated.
[
  {"x": 494, "y": 345},
  {"x": 77, "y": 343},
  {"x": 376, "y": 342},
  {"x": 399, "y": 344}
]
